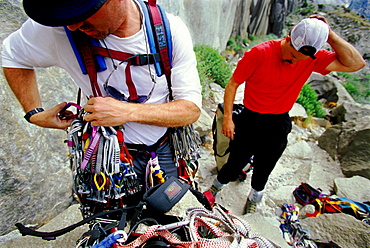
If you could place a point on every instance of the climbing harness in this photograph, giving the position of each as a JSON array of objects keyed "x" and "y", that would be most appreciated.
[
  {"x": 291, "y": 228},
  {"x": 306, "y": 194},
  {"x": 340, "y": 205}
]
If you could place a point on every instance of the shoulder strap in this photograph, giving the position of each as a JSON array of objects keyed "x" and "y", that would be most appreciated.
[
  {"x": 89, "y": 64},
  {"x": 159, "y": 39}
]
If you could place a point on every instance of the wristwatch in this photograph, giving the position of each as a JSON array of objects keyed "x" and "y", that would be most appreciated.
[{"x": 32, "y": 112}]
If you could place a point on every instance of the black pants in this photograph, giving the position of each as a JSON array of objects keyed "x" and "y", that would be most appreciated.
[{"x": 261, "y": 135}]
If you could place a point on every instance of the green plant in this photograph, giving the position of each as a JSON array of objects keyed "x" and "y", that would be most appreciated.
[
  {"x": 236, "y": 44},
  {"x": 308, "y": 99},
  {"x": 307, "y": 9},
  {"x": 345, "y": 75},
  {"x": 358, "y": 86},
  {"x": 212, "y": 67},
  {"x": 259, "y": 39},
  {"x": 352, "y": 90}
]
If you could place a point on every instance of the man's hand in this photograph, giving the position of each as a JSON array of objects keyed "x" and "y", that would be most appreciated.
[
  {"x": 106, "y": 111},
  {"x": 50, "y": 118},
  {"x": 321, "y": 18},
  {"x": 228, "y": 128}
]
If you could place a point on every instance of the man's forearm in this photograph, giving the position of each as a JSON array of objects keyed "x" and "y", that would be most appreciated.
[
  {"x": 24, "y": 86},
  {"x": 229, "y": 97},
  {"x": 172, "y": 114},
  {"x": 107, "y": 111},
  {"x": 346, "y": 54}
]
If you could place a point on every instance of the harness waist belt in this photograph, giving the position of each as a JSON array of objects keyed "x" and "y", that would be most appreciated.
[{"x": 142, "y": 147}]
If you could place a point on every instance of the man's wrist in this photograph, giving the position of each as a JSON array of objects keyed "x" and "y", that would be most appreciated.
[{"x": 31, "y": 113}]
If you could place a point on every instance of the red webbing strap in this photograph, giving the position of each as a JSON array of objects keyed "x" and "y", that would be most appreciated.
[
  {"x": 159, "y": 30},
  {"x": 130, "y": 84},
  {"x": 89, "y": 64},
  {"x": 118, "y": 55}
]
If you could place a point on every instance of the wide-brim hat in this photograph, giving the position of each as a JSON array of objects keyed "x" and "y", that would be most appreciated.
[{"x": 61, "y": 12}]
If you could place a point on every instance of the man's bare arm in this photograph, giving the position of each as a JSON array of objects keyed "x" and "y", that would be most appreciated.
[
  {"x": 348, "y": 59},
  {"x": 24, "y": 86},
  {"x": 228, "y": 126},
  {"x": 106, "y": 111}
]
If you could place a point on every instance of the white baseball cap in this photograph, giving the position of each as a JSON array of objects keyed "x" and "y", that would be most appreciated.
[{"x": 309, "y": 36}]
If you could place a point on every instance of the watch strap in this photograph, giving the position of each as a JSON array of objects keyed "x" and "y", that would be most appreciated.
[{"x": 32, "y": 112}]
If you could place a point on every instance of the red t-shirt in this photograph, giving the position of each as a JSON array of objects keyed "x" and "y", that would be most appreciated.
[{"x": 272, "y": 86}]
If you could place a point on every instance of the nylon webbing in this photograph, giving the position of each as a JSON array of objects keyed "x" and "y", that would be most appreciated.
[
  {"x": 161, "y": 40},
  {"x": 122, "y": 56},
  {"x": 89, "y": 62}
]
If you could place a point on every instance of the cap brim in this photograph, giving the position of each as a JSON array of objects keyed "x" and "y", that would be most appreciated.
[{"x": 61, "y": 13}]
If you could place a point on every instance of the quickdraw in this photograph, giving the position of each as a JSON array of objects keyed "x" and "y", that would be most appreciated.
[
  {"x": 101, "y": 165},
  {"x": 291, "y": 228},
  {"x": 154, "y": 174},
  {"x": 186, "y": 142}
]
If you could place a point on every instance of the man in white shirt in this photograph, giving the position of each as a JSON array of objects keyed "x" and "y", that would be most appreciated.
[{"x": 119, "y": 25}]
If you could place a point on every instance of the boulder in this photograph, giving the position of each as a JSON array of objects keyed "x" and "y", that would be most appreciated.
[
  {"x": 349, "y": 142},
  {"x": 261, "y": 226},
  {"x": 339, "y": 230},
  {"x": 70, "y": 216},
  {"x": 204, "y": 124},
  {"x": 355, "y": 188},
  {"x": 209, "y": 22},
  {"x": 35, "y": 176}
]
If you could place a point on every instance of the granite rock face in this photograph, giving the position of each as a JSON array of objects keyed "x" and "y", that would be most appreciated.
[{"x": 35, "y": 179}]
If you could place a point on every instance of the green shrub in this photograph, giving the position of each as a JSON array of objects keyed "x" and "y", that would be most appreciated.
[
  {"x": 251, "y": 37},
  {"x": 259, "y": 39},
  {"x": 236, "y": 44},
  {"x": 352, "y": 90},
  {"x": 308, "y": 99},
  {"x": 358, "y": 86},
  {"x": 212, "y": 67}
]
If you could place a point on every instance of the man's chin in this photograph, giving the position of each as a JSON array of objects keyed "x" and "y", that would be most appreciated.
[{"x": 95, "y": 34}]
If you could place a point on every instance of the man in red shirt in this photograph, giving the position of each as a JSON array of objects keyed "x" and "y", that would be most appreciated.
[{"x": 274, "y": 73}]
